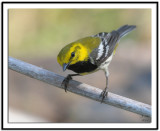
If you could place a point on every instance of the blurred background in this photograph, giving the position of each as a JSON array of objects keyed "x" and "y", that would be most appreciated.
[{"x": 37, "y": 35}]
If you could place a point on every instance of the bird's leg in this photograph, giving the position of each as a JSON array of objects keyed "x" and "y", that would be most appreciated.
[
  {"x": 66, "y": 80},
  {"x": 105, "y": 91}
]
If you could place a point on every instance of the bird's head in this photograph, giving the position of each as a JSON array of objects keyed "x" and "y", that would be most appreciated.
[{"x": 71, "y": 54}]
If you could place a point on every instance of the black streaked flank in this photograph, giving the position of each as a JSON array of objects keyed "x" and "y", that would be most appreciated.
[{"x": 82, "y": 67}]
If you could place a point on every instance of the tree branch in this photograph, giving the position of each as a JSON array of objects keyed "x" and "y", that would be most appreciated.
[{"x": 79, "y": 88}]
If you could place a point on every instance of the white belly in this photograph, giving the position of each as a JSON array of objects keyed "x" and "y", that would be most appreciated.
[{"x": 104, "y": 65}]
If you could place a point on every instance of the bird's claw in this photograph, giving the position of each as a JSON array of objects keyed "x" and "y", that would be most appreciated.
[
  {"x": 103, "y": 94},
  {"x": 65, "y": 82}
]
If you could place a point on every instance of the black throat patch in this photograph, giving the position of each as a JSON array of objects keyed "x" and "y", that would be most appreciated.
[{"x": 82, "y": 67}]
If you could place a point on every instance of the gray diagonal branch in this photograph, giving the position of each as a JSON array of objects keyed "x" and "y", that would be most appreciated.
[{"x": 79, "y": 88}]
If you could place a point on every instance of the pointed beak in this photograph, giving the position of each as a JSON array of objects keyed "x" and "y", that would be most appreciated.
[{"x": 65, "y": 66}]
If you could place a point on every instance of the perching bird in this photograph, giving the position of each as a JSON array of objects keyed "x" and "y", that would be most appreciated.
[{"x": 91, "y": 54}]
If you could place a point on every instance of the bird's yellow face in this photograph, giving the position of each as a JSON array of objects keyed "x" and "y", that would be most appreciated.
[{"x": 72, "y": 54}]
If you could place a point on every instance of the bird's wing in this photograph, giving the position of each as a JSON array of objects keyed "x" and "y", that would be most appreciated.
[
  {"x": 106, "y": 46},
  {"x": 108, "y": 43}
]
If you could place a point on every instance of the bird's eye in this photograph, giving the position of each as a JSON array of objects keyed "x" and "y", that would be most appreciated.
[{"x": 72, "y": 54}]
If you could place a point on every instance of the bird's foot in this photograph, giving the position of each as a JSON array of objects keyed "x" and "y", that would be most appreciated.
[
  {"x": 65, "y": 82},
  {"x": 104, "y": 94}
]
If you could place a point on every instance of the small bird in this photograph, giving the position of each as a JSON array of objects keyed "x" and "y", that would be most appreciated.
[{"x": 91, "y": 54}]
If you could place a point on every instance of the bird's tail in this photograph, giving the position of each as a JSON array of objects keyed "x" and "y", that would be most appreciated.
[{"x": 124, "y": 30}]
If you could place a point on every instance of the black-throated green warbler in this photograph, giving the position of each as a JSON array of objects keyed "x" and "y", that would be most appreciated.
[{"x": 91, "y": 54}]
